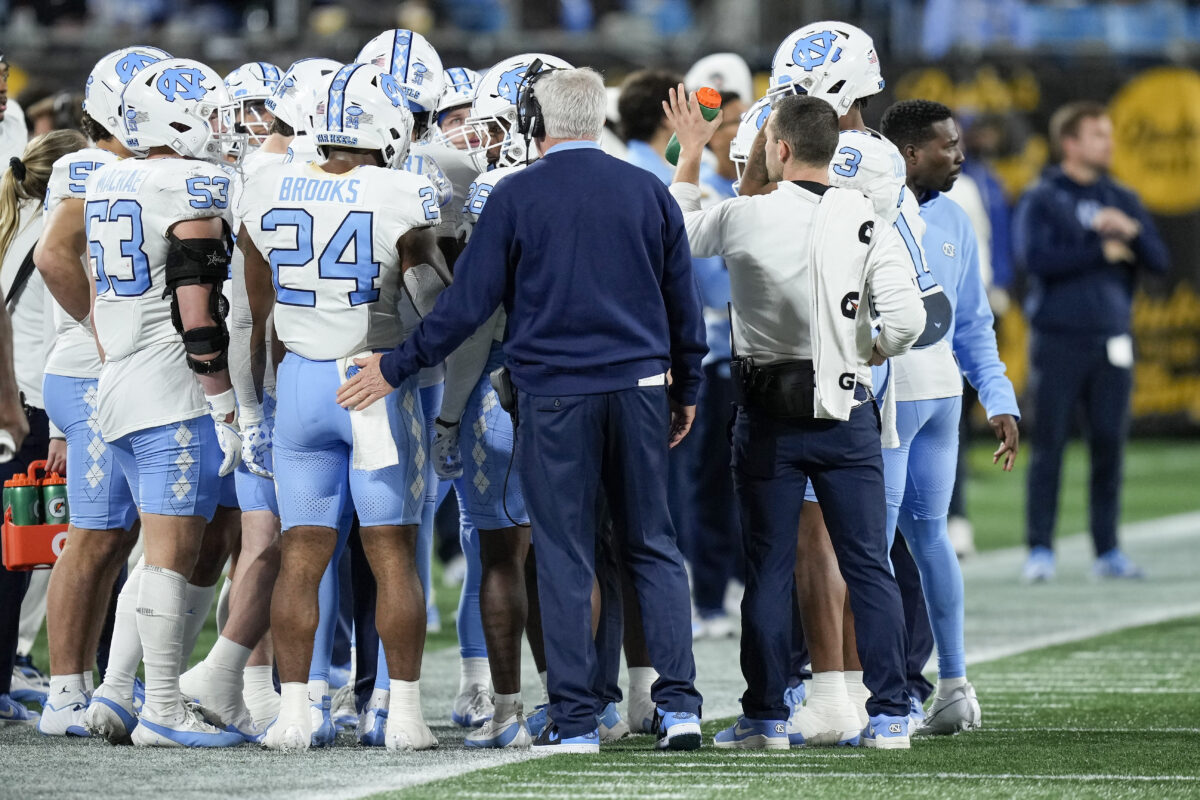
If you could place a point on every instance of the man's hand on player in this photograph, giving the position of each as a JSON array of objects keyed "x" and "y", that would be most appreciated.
[{"x": 365, "y": 387}]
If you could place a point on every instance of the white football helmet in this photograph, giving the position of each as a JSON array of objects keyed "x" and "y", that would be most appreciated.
[
  {"x": 413, "y": 62},
  {"x": 494, "y": 111},
  {"x": 174, "y": 103},
  {"x": 102, "y": 94},
  {"x": 458, "y": 94},
  {"x": 244, "y": 122},
  {"x": 365, "y": 109},
  {"x": 752, "y": 122},
  {"x": 299, "y": 92},
  {"x": 831, "y": 60}
]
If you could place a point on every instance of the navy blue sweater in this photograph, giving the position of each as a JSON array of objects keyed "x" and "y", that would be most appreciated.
[
  {"x": 590, "y": 258},
  {"x": 1072, "y": 288}
]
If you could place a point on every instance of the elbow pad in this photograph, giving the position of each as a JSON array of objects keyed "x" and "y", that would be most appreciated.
[
  {"x": 423, "y": 284},
  {"x": 192, "y": 262}
]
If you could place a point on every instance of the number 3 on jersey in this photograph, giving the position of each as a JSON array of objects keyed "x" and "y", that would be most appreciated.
[
  {"x": 119, "y": 213},
  {"x": 355, "y": 231}
]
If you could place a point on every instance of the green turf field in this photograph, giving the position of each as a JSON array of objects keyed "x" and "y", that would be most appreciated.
[{"x": 1110, "y": 717}]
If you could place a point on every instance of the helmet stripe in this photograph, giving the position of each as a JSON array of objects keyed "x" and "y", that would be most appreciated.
[{"x": 335, "y": 109}]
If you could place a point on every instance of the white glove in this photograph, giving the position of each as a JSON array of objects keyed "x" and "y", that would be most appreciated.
[
  {"x": 256, "y": 448},
  {"x": 447, "y": 460},
  {"x": 220, "y": 407}
]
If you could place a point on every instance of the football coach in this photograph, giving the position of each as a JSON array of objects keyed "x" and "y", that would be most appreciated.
[{"x": 590, "y": 257}]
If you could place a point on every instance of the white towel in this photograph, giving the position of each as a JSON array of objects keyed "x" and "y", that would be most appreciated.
[
  {"x": 837, "y": 276},
  {"x": 373, "y": 446}
]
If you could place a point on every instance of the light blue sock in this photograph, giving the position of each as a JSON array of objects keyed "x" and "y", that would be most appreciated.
[
  {"x": 941, "y": 580},
  {"x": 471, "y": 643}
]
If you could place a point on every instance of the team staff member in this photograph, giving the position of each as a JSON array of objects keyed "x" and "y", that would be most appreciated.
[
  {"x": 1082, "y": 240},
  {"x": 802, "y": 261},
  {"x": 590, "y": 258}
]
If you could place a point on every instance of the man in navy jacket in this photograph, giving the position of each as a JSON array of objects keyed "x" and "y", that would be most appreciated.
[
  {"x": 1081, "y": 239},
  {"x": 590, "y": 258}
]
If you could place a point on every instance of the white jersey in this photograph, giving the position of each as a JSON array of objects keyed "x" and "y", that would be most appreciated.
[
  {"x": 13, "y": 133},
  {"x": 332, "y": 244},
  {"x": 460, "y": 169},
  {"x": 871, "y": 164},
  {"x": 131, "y": 206},
  {"x": 74, "y": 353}
]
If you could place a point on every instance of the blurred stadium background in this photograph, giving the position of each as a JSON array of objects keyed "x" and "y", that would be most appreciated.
[{"x": 1003, "y": 65}]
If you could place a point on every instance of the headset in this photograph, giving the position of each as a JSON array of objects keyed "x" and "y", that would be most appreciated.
[{"x": 530, "y": 122}]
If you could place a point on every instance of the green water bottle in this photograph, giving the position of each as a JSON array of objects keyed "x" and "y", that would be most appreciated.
[
  {"x": 26, "y": 500},
  {"x": 54, "y": 500},
  {"x": 710, "y": 105}
]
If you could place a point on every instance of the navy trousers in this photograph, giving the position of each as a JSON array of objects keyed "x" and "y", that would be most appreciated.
[
  {"x": 1069, "y": 373},
  {"x": 916, "y": 619},
  {"x": 569, "y": 448},
  {"x": 772, "y": 460}
]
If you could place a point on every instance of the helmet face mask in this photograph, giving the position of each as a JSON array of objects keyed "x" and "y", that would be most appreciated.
[
  {"x": 174, "y": 103},
  {"x": 107, "y": 80},
  {"x": 245, "y": 120},
  {"x": 830, "y": 60},
  {"x": 454, "y": 109}
]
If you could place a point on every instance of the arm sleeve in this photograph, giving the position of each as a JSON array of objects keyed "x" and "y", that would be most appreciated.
[
  {"x": 1049, "y": 242},
  {"x": 241, "y": 325},
  {"x": 1148, "y": 246},
  {"x": 894, "y": 294},
  {"x": 975, "y": 337},
  {"x": 481, "y": 281},
  {"x": 703, "y": 227},
  {"x": 465, "y": 366},
  {"x": 684, "y": 313}
]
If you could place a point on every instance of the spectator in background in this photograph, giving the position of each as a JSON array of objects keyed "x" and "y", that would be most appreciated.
[
  {"x": 57, "y": 112},
  {"x": 13, "y": 134},
  {"x": 1082, "y": 240}
]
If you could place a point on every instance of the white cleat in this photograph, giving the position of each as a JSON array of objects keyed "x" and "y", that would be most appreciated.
[
  {"x": 110, "y": 716},
  {"x": 221, "y": 703},
  {"x": 513, "y": 733},
  {"x": 185, "y": 728},
  {"x": 289, "y": 739},
  {"x": 342, "y": 710},
  {"x": 65, "y": 716},
  {"x": 406, "y": 735},
  {"x": 473, "y": 707},
  {"x": 958, "y": 712},
  {"x": 823, "y": 727},
  {"x": 642, "y": 713}
]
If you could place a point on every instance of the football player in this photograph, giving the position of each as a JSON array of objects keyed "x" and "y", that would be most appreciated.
[
  {"x": 103, "y": 515},
  {"x": 158, "y": 240},
  {"x": 330, "y": 249}
]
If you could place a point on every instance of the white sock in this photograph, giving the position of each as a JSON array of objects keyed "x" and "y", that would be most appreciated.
[
  {"x": 317, "y": 690},
  {"x": 223, "y": 604},
  {"x": 828, "y": 691},
  {"x": 507, "y": 706},
  {"x": 65, "y": 687},
  {"x": 544, "y": 678},
  {"x": 380, "y": 698},
  {"x": 125, "y": 648},
  {"x": 946, "y": 686},
  {"x": 858, "y": 693},
  {"x": 258, "y": 693},
  {"x": 473, "y": 672},
  {"x": 226, "y": 662},
  {"x": 89, "y": 682},
  {"x": 405, "y": 702},
  {"x": 198, "y": 602},
  {"x": 160, "y": 608},
  {"x": 640, "y": 680},
  {"x": 293, "y": 707}
]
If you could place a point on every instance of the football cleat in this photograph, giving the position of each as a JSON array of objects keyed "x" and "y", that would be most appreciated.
[
  {"x": 289, "y": 739},
  {"x": 323, "y": 729},
  {"x": 551, "y": 742},
  {"x": 512, "y": 733},
  {"x": 110, "y": 716},
  {"x": 612, "y": 727},
  {"x": 64, "y": 717},
  {"x": 949, "y": 715},
  {"x": 916, "y": 713},
  {"x": 642, "y": 713},
  {"x": 823, "y": 727},
  {"x": 754, "y": 734},
  {"x": 1039, "y": 567},
  {"x": 678, "y": 730},
  {"x": 886, "y": 732},
  {"x": 372, "y": 727},
  {"x": 1115, "y": 564},
  {"x": 29, "y": 684},
  {"x": 408, "y": 735},
  {"x": 793, "y": 697},
  {"x": 537, "y": 720},
  {"x": 345, "y": 717},
  {"x": 473, "y": 707},
  {"x": 187, "y": 728},
  {"x": 13, "y": 712}
]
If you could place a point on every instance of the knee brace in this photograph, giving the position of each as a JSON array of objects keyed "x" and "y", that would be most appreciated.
[{"x": 193, "y": 262}]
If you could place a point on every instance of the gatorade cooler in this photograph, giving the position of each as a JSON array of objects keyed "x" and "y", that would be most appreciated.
[{"x": 29, "y": 540}]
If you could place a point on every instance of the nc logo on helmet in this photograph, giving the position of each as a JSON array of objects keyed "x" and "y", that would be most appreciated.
[
  {"x": 186, "y": 83},
  {"x": 813, "y": 51},
  {"x": 762, "y": 117},
  {"x": 510, "y": 83},
  {"x": 391, "y": 90},
  {"x": 132, "y": 64}
]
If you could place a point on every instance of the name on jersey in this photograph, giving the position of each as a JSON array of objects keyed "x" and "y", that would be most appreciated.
[
  {"x": 124, "y": 181},
  {"x": 319, "y": 190}
]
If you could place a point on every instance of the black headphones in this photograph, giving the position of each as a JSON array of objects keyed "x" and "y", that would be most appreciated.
[{"x": 530, "y": 122}]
